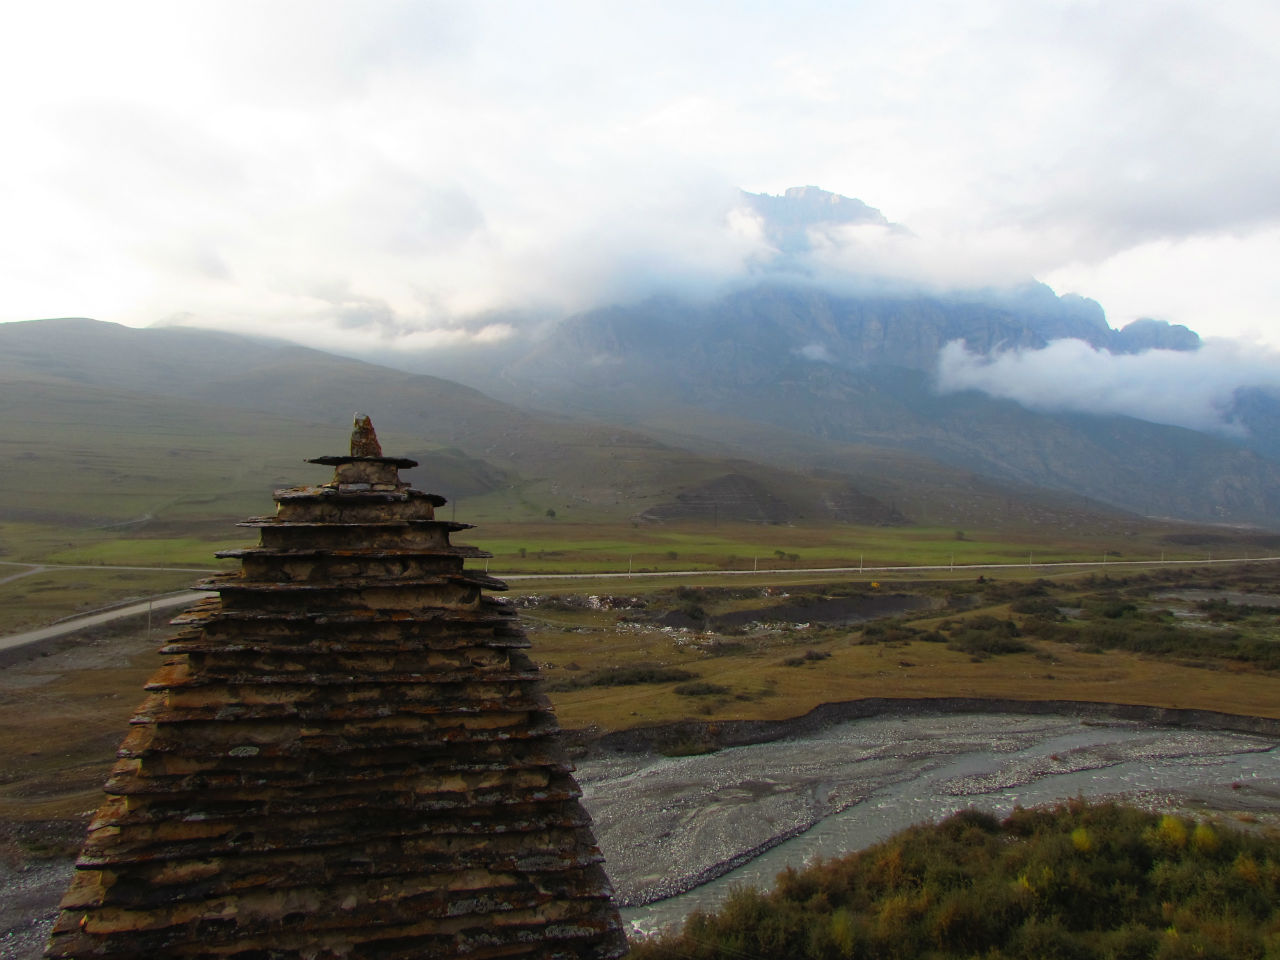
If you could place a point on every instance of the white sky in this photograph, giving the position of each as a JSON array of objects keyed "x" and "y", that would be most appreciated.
[{"x": 336, "y": 171}]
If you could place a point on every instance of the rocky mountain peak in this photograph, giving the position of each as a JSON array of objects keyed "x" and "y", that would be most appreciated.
[
  {"x": 788, "y": 218},
  {"x": 1148, "y": 334}
]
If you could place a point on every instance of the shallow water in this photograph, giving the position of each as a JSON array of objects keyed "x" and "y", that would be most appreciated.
[{"x": 667, "y": 824}]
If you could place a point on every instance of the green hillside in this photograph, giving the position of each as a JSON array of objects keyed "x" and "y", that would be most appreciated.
[{"x": 108, "y": 424}]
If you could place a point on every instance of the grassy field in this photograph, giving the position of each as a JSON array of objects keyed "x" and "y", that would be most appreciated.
[
  {"x": 556, "y": 546},
  {"x": 62, "y": 714},
  {"x": 785, "y": 669},
  {"x": 563, "y": 547},
  {"x": 50, "y": 595},
  {"x": 571, "y": 547},
  {"x": 62, "y": 717}
]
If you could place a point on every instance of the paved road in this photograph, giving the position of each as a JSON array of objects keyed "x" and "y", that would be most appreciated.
[
  {"x": 170, "y": 601},
  {"x": 100, "y": 566},
  {"x": 33, "y": 568},
  {"x": 166, "y": 602}
]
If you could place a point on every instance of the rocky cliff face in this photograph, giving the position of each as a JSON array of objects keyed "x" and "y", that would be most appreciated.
[{"x": 749, "y": 332}]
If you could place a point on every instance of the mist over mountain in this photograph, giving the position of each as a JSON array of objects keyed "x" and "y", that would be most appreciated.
[
  {"x": 1148, "y": 334},
  {"x": 1202, "y": 390},
  {"x": 1011, "y": 381},
  {"x": 88, "y": 401},
  {"x": 814, "y": 357}
]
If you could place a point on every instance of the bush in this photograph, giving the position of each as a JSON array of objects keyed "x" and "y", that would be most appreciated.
[
  {"x": 987, "y": 636},
  {"x": 630, "y": 676},
  {"x": 622, "y": 677},
  {"x": 890, "y": 632},
  {"x": 1076, "y": 881},
  {"x": 1037, "y": 606},
  {"x": 724, "y": 648},
  {"x": 1109, "y": 609},
  {"x": 701, "y": 688},
  {"x": 810, "y": 656}
]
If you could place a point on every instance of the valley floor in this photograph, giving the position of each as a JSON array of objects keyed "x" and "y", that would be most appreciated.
[{"x": 671, "y": 823}]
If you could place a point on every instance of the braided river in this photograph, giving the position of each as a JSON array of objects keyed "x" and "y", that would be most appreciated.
[{"x": 678, "y": 833}]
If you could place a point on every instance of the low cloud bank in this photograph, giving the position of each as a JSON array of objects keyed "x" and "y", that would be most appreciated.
[
  {"x": 386, "y": 281},
  {"x": 415, "y": 165},
  {"x": 1194, "y": 389}
]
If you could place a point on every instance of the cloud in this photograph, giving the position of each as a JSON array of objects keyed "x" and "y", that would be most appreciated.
[
  {"x": 1216, "y": 281},
  {"x": 1194, "y": 389},
  {"x": 236, "y": 163},
  {"x": 817, "y": 352}
]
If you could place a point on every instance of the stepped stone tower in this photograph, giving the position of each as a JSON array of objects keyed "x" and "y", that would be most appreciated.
[{"x": 345, "y": 756}]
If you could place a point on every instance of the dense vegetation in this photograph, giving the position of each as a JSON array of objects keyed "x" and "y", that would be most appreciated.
[
  {"x": 622, "y": 677},
  {"x": 1078, "y": 881},
  {"x": 1114, "y": 623}
]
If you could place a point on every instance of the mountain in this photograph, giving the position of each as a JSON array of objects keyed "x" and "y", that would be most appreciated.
[
  {"x": 796, "y": 395},
  {"x": 827, "y": 368},
  {"x": 110, "y": 424},
  {"x": 787, "y": 220},
  {"x": 1147, "y": 334}
]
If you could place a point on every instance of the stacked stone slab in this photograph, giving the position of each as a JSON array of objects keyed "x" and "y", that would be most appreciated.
[{"x": 345, "y": 755}]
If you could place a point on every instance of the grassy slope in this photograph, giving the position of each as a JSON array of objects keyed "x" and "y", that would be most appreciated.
[{"x": 77, "y": 374}]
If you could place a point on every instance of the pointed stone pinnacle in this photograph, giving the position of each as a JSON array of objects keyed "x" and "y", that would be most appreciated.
[{"x": 364, "y": 442}]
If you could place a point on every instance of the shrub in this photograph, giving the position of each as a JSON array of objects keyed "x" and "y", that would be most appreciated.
[
  {"x": 1038, "y": 606},
  {"x": 1079, "y": 880},
  {"x": 701, "y": 688},
  {"x": 622, "y": 677},
  {"x": 890, "y": 632},
  {"x": 985, "y": 636},
  {"x": 724, "y": 648},
  {"x": 643, "y": 673},
  {"x": 1110, "y": 609},
  {"x": 809, "y": 656}
]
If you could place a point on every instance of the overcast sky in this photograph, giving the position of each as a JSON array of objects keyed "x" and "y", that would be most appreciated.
[{"x": 337, "y": 171}]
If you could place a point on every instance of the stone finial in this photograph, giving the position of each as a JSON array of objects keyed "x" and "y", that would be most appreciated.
[{"x": 364, "y": 442}]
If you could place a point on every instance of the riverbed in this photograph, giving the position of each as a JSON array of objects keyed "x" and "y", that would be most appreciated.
[{"x": 679, "y": 832}]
